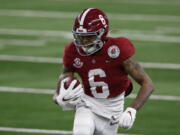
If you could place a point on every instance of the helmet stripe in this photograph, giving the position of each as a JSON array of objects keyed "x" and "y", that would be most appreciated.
[{"x": 84, "y": 15}]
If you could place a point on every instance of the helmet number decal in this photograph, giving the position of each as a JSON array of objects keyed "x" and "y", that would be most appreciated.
[
  {"x": 102, "y": 19},
  {"x": 104, "y": 93}
]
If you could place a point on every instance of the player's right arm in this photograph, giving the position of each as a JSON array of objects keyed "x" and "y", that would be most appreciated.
[
  {"x": 68, "y": 97},
  {"x": 65, "y": 73}
]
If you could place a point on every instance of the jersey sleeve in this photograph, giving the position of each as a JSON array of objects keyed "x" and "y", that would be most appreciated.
[
  {"x": 68, "y": 58},
  {"x": 127, "y": 48}
]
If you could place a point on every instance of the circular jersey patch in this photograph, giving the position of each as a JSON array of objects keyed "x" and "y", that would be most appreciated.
[{"x": 113, "y": 51}]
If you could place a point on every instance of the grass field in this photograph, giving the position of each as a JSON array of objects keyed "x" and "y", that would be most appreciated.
[{"x": 41, "y": 28}]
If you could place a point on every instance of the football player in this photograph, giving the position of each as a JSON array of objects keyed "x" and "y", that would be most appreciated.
[{"x": 103, "y": 63}]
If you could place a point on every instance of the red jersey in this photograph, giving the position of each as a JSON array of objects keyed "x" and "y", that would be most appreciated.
[{"x": 102, "y": 73}]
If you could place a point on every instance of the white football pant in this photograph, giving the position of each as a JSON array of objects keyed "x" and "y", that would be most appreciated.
[{"x": 88, "y": 123}]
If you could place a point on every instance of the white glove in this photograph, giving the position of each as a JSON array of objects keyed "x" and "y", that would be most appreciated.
[
  {"x": 127, "y": 118},
  {"x": 70, "y": 97}
]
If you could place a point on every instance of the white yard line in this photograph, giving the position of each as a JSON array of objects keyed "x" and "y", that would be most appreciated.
[
  {"x": 143, "y": 17},
  {"x": 174, "y": 30},
  {"x": 30, "y": 59},
  {"x": 35, "y": 13},
  {"x": 145, "y": 2},
  {"x": 160, "y": 65},
  {"x": 42, "y": 131},
  {"x": 29, "y": 32},
  {"x": 55, "y": 14},
  {"x": 51, "y": 91},
  {"x": 149, "y": 37},
  {"x": 160, "y": 97},
  {"x": 59, "y": 61},
  {"x": 22, "y": 42},
  {"x": 26, "y": 90},
  {"x": 156, "y": 36}
]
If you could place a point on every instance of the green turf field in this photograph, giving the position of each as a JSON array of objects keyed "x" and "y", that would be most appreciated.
[{"x": 41, "y": 28}]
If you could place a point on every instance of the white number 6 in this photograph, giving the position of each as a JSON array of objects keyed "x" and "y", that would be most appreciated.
[
  {"x": 102, "y": 19},
  {"x": 94, "y": 85}
]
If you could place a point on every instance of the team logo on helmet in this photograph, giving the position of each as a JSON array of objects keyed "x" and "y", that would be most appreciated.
[
  {"x": 77, "y": 63},
  {"x": 113, "y": 51}
]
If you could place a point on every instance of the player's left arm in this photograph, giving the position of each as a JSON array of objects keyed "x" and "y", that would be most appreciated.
[{"x": 134, "y": 69}]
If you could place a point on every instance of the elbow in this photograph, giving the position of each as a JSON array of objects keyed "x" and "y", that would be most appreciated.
[{"x": 150, "y": 86}]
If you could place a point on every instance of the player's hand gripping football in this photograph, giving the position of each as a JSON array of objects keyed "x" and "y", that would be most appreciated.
[
  {"x": 127, "y": 118},
  {"x": 69, "y": 94}
]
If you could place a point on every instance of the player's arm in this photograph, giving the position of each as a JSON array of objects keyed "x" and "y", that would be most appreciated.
[
  {"x": 68, "y": 97},
  {"x": 137, "y": 73},
  {"x": 134, "y": 69},
  {"x": 65, "y": 73}
]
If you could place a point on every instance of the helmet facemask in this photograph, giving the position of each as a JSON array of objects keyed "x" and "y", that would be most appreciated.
[{"x": 88, "y": 43}]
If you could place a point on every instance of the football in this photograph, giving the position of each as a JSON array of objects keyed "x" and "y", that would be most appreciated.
[{"x": 68, "y": 82}]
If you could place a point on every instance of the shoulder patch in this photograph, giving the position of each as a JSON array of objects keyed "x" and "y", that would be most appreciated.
[
  {"x": 77, "y": 63},
  {"x": 113, "y": 51}
]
